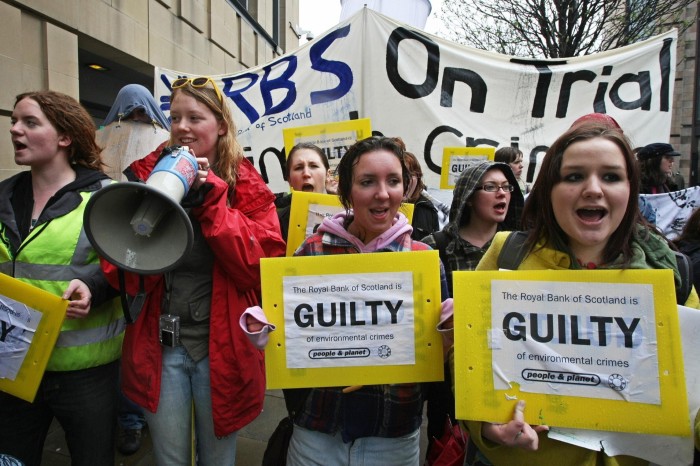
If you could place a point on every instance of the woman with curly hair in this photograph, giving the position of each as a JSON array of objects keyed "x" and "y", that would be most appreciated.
[{"x": 42, "y": 243}]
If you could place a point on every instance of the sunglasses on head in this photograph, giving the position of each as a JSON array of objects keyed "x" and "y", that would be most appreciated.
[{"x": 197, "y": 82}]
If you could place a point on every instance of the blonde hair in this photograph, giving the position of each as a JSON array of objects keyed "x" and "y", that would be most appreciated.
[{"x": 229, "y": 152}]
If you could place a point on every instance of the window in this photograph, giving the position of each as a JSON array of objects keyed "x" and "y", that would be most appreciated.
[{"x": 276, "y": 20}]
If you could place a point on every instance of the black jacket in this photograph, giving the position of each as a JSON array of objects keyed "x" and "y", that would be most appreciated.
[
  {"x": 425, "y": 218},
  {"x": 692, "y": 250}
]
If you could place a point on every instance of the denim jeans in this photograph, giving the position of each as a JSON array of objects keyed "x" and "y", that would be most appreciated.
[
  {"x": 185, "y": 388},
  {"x": 85, "y": 404},
  {"x": 130, "y": 415},
  {"x": 311, "y": 448}
]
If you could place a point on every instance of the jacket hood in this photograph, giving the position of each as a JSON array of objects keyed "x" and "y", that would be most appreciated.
[
  {"x": 85, "y": 178},
  {"x": 465, "y": 186},
  {"x": 336, "y": 225},
  {"x": 65, "y": 200},
  {"x": 131, "y": 97}
]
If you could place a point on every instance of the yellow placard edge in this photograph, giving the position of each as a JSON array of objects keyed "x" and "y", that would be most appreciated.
[
  {"x": 449, "y": 152},
  {"x": 53, "y": 309},
  {"x": 422, "y": 263},
  {"x": 498, "y": 407}
]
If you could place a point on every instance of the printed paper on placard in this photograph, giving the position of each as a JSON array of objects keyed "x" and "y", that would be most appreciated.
[
  {"x": 363, "y": 333},
  {"x": 562, "y": 338}
]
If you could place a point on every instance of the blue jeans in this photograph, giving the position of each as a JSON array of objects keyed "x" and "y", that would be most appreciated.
[
  {"x": 130, "y": 415},
  {"x": 309, "y": 447},
  {"x": 85, "y": 404},
  {"x": 185, "y": 388}
]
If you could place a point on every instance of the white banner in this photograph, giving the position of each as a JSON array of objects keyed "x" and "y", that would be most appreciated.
[
  {"x": 435, "y": 94},
  {"x": 670, "y": 211}
]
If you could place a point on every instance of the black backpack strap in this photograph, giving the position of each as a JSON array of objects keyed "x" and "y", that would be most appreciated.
[
  {"x": 685, "y": 269},
  {"x": 513, "y": 251},
  {"x": 294, "y": 399}
]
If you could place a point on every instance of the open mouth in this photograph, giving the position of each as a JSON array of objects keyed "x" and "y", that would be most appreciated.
[
  {"x": 19, "y": 145},
  {"x": 379, "y": 212},
  {"x": 308, "y": 188},
  {"x": 500, "y": 208},
  {"x": 591, "y": 215}
]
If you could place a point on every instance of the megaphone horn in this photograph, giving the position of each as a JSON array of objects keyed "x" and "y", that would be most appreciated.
[{"x": 142, "y": 228}]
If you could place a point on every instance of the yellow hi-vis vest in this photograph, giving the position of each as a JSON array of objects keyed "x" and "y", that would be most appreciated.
[{"x": 51, "y": 256}]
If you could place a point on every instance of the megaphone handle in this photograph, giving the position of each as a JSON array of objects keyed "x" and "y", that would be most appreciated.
[
  {"x": 131, "y": 309},
  {"x": 137, "y": 304}
]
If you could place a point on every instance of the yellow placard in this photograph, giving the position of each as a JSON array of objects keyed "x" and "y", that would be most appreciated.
[
  {"x": 457, "y": 159},
  {"x": 352, "y": 319},
  {"x": 24, "y": 305},
  {"x": 308, "y": 211},
  {"x": 604, "y": 341},
  {"x": 333, "y": 138}
]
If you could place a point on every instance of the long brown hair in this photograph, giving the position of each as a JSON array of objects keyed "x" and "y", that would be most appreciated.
[
  {"x": 228, "y": 151},
  {"x": 691, "y": 230},
  {"x": 70, "y": 119},
  {"x": 538, "y": 215},
  {"x": 651, "y": 173},
  {"x": 414, "y": 169}
]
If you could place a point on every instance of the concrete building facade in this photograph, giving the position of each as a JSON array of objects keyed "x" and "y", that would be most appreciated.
[
  {"x": 685, "y": 123},
  {"x": 50, "y": 44}
]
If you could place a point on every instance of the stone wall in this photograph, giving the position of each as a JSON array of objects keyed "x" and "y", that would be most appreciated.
[{"x": 39, "y": 42}]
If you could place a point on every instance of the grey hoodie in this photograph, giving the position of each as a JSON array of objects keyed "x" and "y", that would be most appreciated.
[{"x": 459, "y": 254}]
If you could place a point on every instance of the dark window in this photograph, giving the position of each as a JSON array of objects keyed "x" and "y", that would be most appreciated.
[{"x": 276, "y": 20}]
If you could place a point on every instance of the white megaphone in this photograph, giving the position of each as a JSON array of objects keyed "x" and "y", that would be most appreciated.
[{"x": 142, "y": 228}]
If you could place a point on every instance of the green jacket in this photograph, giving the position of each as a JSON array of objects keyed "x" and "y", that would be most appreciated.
[{"x": 55, "y": 251}]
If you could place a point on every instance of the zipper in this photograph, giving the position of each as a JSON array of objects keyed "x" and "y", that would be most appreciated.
[
  {"x": 32, "y": 236},
  {"x": 3, "y": 238}
]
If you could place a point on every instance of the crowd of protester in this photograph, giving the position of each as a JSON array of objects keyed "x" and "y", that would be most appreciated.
[{"x": 196, "y": 391}]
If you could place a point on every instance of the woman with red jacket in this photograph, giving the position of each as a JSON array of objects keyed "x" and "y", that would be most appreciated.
[{"x": 212, "y": 372}]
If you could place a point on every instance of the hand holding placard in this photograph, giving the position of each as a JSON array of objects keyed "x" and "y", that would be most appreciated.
[
  {"x": 79, "y": 299},
  {"x": 517, "y": 432}
]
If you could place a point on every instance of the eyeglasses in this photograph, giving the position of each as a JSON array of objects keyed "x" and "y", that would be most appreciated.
[
  {"x": 492, "y": 188},
  {"x": 197, "y": 82}
]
